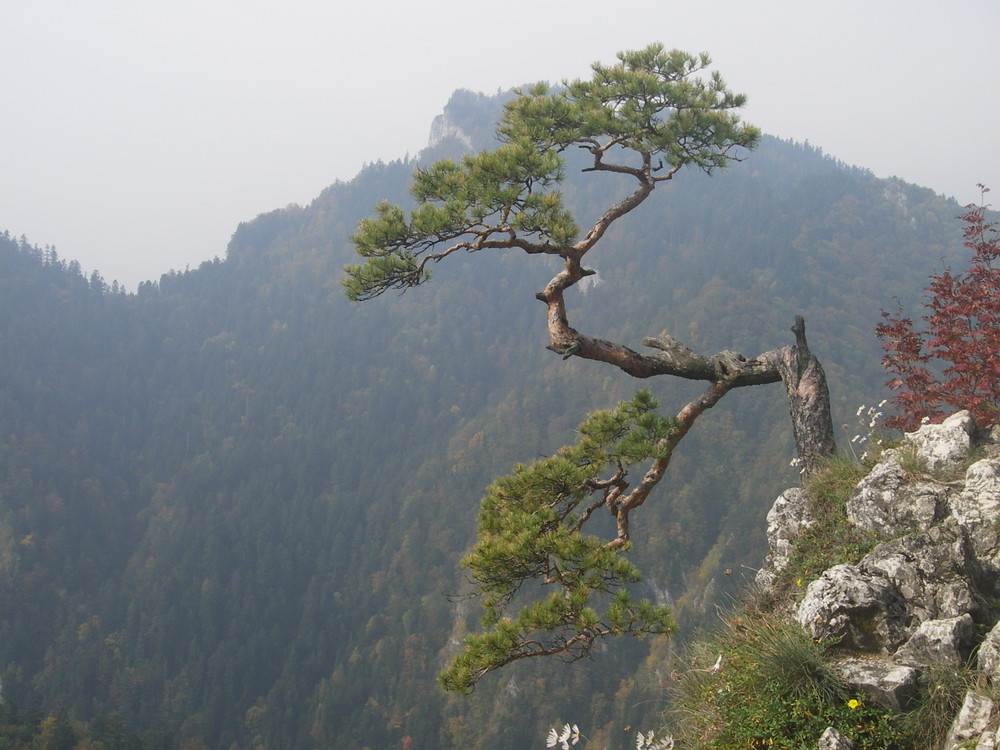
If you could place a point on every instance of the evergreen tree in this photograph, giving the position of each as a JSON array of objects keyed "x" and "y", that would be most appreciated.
[{"x": 644, "y": 120}]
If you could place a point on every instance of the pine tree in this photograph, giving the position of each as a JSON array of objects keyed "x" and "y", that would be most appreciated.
[{"x": 644, "y": 119}]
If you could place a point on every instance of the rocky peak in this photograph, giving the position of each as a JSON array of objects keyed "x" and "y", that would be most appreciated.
[
  {"x": 469, "y": 119},
  {"x": 928, "y": 593},
  {"x": 444, "y": 126}
]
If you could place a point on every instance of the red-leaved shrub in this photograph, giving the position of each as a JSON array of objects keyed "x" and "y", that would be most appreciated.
[{"x": 954, "y": 362}]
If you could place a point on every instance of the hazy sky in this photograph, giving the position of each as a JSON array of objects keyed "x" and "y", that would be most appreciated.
[{"x": 135, "y": 136}]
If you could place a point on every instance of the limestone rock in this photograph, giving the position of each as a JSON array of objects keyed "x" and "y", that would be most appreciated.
[
  {"x": 891, "y": 685},
  {"x": 988, "y": 741},
  {"x": 936, "y": 571},
  {"x": 864, "y": 611},
  {"x": 887, "y": 503},
  {"x": 939, "y": 642},
  {"x": 785, "y": 521},
  {"x": 944, "y": 446},
  {"x": 979, "y": 501},
  {"x": 988, "y": 657},
  {"x": 989, "y": 441},
  {"x": 971, "y": 723},
  {"x": 831, "y": 739}
]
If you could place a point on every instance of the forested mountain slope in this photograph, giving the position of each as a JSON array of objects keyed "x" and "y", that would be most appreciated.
[{"x": 232, "y": 504}]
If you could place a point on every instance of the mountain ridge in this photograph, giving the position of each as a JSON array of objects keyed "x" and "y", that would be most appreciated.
[{"x": 275, "y": 485}]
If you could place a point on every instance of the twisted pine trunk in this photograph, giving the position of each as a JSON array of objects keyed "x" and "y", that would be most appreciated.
[
  {"x": 808, "y": 398},
  {"x": 796, "y": 366}
]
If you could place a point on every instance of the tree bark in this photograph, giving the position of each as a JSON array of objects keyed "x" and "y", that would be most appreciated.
[
  {"x": 796, "y": 366},
  {"x": 808, "y": 398}
]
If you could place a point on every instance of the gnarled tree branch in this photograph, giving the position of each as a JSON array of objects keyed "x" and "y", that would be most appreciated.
[{"x": 796, "y": 366}]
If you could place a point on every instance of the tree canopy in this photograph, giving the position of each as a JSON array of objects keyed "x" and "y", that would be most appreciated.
[
  {"x": 646, "y": 117},
  {"x": 530, "y": 529}
]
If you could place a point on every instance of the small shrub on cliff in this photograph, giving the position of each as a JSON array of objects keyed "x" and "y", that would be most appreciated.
[{"x": 952, "y": 364}]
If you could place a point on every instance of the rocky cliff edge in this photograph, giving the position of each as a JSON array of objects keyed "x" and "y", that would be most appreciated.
[{"x": 927, "y": 596}]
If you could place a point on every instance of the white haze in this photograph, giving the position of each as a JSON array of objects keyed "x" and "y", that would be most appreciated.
[{"x": 136, "y": 136}]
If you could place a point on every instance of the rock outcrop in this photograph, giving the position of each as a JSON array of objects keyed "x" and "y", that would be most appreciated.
[{"x": 929, "y": 593}]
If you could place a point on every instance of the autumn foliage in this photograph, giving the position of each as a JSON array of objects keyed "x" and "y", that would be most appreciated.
[{"x": 954, "y": 362}]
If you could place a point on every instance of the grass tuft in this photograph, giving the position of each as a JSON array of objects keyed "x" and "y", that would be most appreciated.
[
  {"x": 773, "y": 688},
  {"x": 944, "y": 691}
]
